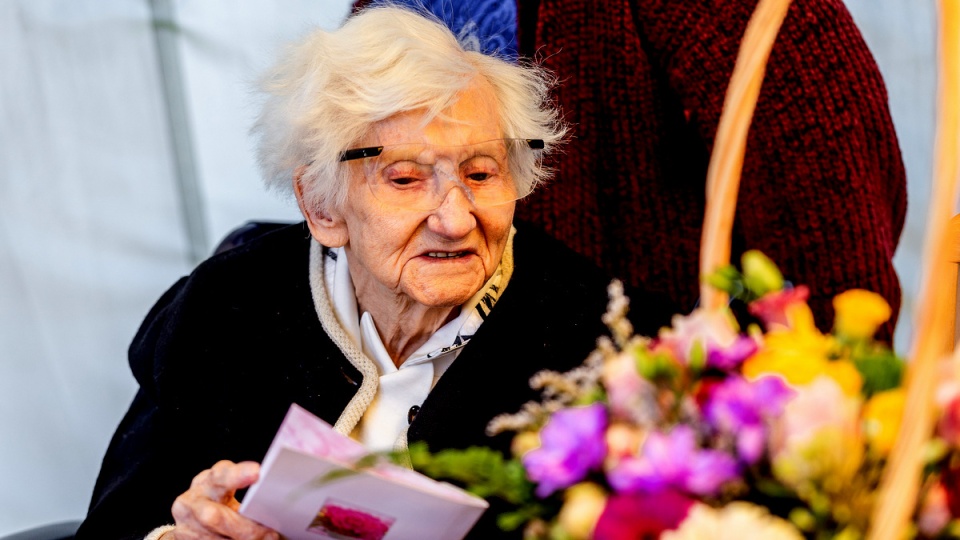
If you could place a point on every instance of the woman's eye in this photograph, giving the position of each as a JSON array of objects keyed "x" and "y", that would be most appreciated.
[
  {"x": 479, "y": 176},
  {"x": 479, "y": 169},
  {"x": 405, "y": 174}
]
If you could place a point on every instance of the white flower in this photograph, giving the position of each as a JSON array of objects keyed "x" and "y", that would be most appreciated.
[
  {"x": 735, "y": 521},
  {"x": 818, "y": 438}
]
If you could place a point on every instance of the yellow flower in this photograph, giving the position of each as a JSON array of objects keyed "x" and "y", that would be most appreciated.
[
  {"x": 582, "y": 506},
  {"x": 800, "y": 353},
  {"x": 881, "y": 419},
  {"x": 524, "y": 442},
  {"x": 846, "y": 375},
  {"x": 829, "y": 458},
  {"x": 859, "y": 313}
]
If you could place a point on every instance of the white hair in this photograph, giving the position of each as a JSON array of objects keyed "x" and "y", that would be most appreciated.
[{"x": 328, "y": 89}]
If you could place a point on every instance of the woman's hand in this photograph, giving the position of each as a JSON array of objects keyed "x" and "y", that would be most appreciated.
[{"x": 209, "y": 509}]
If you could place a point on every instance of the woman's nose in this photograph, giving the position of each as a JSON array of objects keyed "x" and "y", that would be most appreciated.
[{"x": 454, "y": 218}]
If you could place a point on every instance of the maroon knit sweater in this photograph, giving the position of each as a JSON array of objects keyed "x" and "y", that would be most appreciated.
[{"x": 642, "y": 82}]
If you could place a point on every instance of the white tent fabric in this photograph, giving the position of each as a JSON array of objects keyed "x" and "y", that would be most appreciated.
[
  {"x": 902, "y": 36},
  {"x": 91, "y": 210},
  {"x": 113, "y": 181}
]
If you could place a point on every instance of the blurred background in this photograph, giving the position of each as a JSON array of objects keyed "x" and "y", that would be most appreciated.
[{"x": 124, "y": 160}]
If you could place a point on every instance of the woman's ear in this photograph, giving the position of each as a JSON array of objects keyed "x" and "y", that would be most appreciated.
[{"x": 328, "y": 228}]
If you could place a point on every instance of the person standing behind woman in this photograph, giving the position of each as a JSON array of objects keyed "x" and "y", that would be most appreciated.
[{"x": 823, "y": 188}]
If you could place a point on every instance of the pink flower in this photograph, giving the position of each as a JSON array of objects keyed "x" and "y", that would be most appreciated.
[
  {"x": 816, "y": 406},
  {"x": 350, "y": 522},
  {"x": 934, "y": 515},
  {"x": 571, "y": 445},
  {"x": 950, "y": 478},
  {"x": 818, "y": 436},
  {"x": 948, "y": 425},
  {"x": 772, "y": 307},
  {"x": 640, "y": 515},
  {"x": 714, "y": 332},
  {"x": 624, "y": 385}
]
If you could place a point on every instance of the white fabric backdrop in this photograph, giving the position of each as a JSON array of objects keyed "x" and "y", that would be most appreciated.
[
  {"x": 91, "y": 231},
  {"x": 91, "y": 222},
  {"x": 902, "y": 36}
]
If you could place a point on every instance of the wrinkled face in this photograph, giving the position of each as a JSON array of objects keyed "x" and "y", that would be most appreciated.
[{"x": 437, "y": 257}]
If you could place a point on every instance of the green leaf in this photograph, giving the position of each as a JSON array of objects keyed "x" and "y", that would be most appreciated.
[
  {"x": 760, "y": 274},
  {"x": 656, "y": 367},
  {"x": 698, "y": 357},
  {"x": 511, "y": 521},
  {"x": 594, "y": 395},
  {"x": 803, "y": 519},
  {"x": 482, "y": 471},
  {"x": 880, "y": 368},
  {"x": 772, "y": 488},
  {"x": 727, "y": 279}
]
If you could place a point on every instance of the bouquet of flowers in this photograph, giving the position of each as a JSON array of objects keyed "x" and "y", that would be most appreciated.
[{"x": 773, "y": 431}]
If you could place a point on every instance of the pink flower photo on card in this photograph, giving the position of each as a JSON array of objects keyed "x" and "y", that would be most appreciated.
[{"x": 339, "y": 520}]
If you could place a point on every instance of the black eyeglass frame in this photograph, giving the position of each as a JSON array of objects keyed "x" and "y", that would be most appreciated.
[{"x": 374, "y": 151}]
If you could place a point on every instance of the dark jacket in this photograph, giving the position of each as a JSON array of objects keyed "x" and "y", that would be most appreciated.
[{"x": 223, "y": 354}]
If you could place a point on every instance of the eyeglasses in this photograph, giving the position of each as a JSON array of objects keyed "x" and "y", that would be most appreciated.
[{"x": 418, "y": 176}]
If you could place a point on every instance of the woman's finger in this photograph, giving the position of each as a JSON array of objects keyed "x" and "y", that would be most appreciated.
[
  {"x": 221, "y": 481},
  {"x": 208, "y": 510},
  {"x": 198, "y": 517}
]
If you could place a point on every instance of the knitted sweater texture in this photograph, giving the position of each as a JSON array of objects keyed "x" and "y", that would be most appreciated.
[{"x": 642, "y": 82}]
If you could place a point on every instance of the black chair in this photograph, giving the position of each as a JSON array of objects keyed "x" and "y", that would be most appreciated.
[
  {"x": 246, "y": 232},
  {"x": 63, "y": 530}
]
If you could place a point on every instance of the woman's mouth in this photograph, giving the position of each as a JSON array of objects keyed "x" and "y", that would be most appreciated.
[{"x": 447, "y": 254}]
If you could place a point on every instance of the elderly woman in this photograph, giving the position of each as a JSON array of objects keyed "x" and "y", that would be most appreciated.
[{"x": 408, "y": 306}]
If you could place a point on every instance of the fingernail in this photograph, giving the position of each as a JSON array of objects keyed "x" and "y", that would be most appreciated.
[{"x": 248, "y": 470}]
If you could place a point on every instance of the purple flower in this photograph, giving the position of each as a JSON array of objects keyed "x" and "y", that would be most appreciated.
[
  {"x": 741, "y": 408},
  {"x": 673, "y": 460},
  {"x": 730, "y": 357},
  {"x": 571, "y": 445}
]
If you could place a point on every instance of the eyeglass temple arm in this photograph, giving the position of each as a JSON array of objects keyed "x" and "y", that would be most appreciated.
[{"x": 374, "y": 151}]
